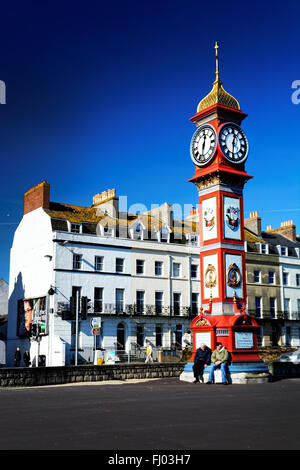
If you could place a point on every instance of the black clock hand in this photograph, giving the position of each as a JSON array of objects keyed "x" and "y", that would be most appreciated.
[
  {"x": 203, "y": 145},
  {"x": 233, "y": 143}
]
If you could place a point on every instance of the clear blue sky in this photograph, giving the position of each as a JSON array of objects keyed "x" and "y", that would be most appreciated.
[{"x": 99, "y": 95}]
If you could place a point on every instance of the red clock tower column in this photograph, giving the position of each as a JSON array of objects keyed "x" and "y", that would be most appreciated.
[{"x": 219, "y": 149}]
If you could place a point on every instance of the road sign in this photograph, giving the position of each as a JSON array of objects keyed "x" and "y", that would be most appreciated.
[
  {"x": 96, "y": 322},
  {"x": 96, "y": 331}
]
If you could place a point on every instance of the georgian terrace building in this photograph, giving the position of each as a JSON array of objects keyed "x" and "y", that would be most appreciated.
[
  {"x": 273, "y": 281},
  {"x": 141, "y": 273}
]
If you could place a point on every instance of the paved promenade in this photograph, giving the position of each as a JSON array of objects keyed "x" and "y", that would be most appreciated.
[{"x": 157, "y": 415}]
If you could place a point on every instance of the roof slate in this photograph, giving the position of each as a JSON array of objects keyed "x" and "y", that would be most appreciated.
[{"x": 89, "y": 217}]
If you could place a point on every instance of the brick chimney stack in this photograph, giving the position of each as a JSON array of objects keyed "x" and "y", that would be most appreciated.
[
  {"x": 287, "y": 229},
  {"x": 108, "y": 202},
  {"x": 38, "y": 196},
  {"x": 254, "y": 223}
]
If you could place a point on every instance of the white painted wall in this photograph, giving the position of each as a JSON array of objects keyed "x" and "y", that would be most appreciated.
[{"x": 30, "y": 271}]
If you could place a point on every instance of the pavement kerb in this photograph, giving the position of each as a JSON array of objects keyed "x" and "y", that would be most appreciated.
[{"x": 80, "y": 384}]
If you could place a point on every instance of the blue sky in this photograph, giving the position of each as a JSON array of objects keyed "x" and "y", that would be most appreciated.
[{"x": 99, "y": 95}]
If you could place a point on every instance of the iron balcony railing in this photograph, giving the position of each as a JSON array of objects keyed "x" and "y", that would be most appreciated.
[
  {"x": 137, "y": 309},
  {"x": 274, "y": 315},
  {"x": 133, "y": 309}
]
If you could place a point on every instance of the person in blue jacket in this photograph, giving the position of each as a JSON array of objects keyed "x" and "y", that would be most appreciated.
[{"x": 201, "y": 361}]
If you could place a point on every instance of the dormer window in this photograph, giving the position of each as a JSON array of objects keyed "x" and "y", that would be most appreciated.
[
  {"x": 108, "y": 231},
  {"x": 193, "y": 240},
  {"x": 263, "y": 248},
  {"x": 283, "y": 250},
  {"x": 164, "y": 234},
  {"x": 75, "y": 228},
  {"x": 137, "y": 231},
  {"x": 164, "y": 237}
]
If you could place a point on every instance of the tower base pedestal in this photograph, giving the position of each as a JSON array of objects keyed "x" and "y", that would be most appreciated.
[{"x": 239, "y": 373}]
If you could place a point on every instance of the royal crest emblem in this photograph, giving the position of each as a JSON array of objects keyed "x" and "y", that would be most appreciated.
[
  {"x": 232, "y": 218},
  {"x": 209, "y": 218}
]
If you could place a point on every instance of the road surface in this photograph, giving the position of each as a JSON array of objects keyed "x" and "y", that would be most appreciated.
[{"x": 160, "y": 414}]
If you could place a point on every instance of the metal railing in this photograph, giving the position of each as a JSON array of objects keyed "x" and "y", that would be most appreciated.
[
  {"x": 136, "y": 353},
  {"x": 277, "y": 315},
  {"x": 133, "y": 309}
]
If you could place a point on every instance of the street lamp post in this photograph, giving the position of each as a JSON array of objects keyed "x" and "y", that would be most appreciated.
[{"x": 76, "y": 328}]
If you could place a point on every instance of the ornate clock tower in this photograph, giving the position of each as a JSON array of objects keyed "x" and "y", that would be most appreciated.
[{"x": 219, "y": 149}]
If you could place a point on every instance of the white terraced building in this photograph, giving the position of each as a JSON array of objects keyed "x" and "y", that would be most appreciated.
[{"x": 141, "y": 273}]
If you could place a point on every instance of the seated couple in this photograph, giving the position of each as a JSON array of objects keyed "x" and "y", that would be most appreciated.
[{"x": 218, "y": 360}]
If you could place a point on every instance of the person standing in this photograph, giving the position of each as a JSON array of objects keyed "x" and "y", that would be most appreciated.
[
  {"x": 201, "y": 361},
  {"x": 26, "y": 358},
  {"x": 219, "y": 359},
  {"x": 17, "y": 357}
]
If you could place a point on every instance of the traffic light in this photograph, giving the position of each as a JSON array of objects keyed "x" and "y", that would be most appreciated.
[
  {"x": 34, "y": 329},
  {"x": 85, "y": 306},
  {"x": 83, "y": 309},
  {"x": 72, "y": 308},
  {"x": 42, "y": 328}
]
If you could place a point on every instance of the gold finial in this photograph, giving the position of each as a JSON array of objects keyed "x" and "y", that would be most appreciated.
[
  {"x": 217, "y": 62},
  {"x": 218, "y": 94}
]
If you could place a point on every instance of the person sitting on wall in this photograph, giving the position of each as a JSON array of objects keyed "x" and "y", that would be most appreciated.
[
  {"x": 201, "y": 361},
  {"x": 219, "y": 359}
]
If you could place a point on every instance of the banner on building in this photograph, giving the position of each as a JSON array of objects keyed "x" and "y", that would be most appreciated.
[{"x": 32, "y": 312}]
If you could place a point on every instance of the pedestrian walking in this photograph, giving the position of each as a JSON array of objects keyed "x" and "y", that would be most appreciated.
[
  {"x": 149, "y": 357},
  {"x": 17, "y": 357}
]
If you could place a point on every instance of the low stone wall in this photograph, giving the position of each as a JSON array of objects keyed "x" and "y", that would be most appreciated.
[
  {"x": 28, "y": 377},
  {"x": 281, "y": 370}
]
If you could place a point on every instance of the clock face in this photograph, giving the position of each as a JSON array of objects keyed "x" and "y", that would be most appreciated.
[
  {"x": 233, "y": 143},
  {"x": 203, "y": 144}
]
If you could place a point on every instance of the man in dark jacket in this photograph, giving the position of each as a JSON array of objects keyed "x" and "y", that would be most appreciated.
[
  {"x": 26, "y": 358},
  {"x": 201, "y": 361},
  {"x": 17, "y": 357}
]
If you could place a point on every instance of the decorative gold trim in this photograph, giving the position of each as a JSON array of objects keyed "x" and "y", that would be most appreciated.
[
  {"x": 202, "y": 322},
  {"x": 219, "y": 178},
  {"x": 233, "y": 276},
  {"x": 210, "y": 277}
]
